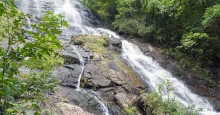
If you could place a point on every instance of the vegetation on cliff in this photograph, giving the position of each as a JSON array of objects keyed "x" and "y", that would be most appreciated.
[
  {"x": 185, "y": 28},
  {"x": 26, "y": 62},
  {"x": 161, "y": 101}
]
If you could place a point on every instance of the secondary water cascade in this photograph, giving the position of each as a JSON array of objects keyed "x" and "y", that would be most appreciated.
[
  {"x": 82, "y": 67},
  {"x": 82, "y": 22}
]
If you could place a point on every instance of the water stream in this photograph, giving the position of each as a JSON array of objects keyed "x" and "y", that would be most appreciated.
[
  {"x": 83, "y": 22},
  {"x": 82, "y": 67},
  {"x": 98, "y": 98}
]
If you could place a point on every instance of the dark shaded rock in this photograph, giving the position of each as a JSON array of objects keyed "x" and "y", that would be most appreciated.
[
  {"x": 70, "y": 57},
  {"x": 108, "y": 94},
  {"x": 216, "y": 103},
  {"x": 116, "y": 110},
  {"x": 115, "y": 44},
  {"x": 81, "y": 99},
  {"x": 100, "y": 81},
  {"x": 68, "y": 77}
]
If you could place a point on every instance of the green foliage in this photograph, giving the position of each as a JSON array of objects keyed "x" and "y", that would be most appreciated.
[
  {"x": 40, "y": 83},
  {"x": 85, "y": 80},
  {"x": 188, "y": 62},
  {"x": 200, "y": 45},
  {"x": 211, "y": 15},
  {"x": 15, "y": 91},
  {"x": 190, "y": 26},
  {"x": 104, "y": 8},
  {"x": 156, "y": 105},
  {"x": 130, "y": 110},
  {"x": 46, "y": 62}
]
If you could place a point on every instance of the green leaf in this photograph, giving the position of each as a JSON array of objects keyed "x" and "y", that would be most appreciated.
[{"x": 2, "y": 9}]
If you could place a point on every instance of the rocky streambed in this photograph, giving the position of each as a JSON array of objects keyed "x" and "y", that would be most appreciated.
[
  {"x": 108, "y": 75},
  {"x": 104, "y": 72}
]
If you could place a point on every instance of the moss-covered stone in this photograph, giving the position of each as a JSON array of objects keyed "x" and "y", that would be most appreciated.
[
  {"x": 94, "y": 43},
  {"x": 109, "y": 60},
  {"x": 130, "y": 110}
]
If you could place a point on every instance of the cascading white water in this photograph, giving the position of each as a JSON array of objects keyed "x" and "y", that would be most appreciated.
[
  {"x": 82, "y": 67},
  {"x": 38, "y": 11},
  {"x": 150, "y": 71},
  {"x": 72, "y": 16},
  {"x": 98, "y": 99},
  {"x": 154, "y": 75}
]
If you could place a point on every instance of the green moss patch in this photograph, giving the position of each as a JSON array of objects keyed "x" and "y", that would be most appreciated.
[{"x": 95, "y": 43}]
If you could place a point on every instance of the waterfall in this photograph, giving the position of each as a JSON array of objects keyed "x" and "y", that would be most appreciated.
[
  {"x": 97, "y": 97},
  {"x": 153, "y": 74},
  {"x": 148, "y": 69},
  {"x": 82, "y": 67}
]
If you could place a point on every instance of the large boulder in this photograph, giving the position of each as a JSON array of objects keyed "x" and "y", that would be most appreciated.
[
  {"x": 68, "y": 75},
  {"x": 70, "y": 57},
  {"x": 94, "y": 76},
  {"x": 123, "y": 99},
  {"x": 69, "y": 109},
  {"x": 117, "y": 78},
  {"x": 115, "y": 44},
  {"x": 100, "y": 77},
  {"x": 80, "y": 98}
]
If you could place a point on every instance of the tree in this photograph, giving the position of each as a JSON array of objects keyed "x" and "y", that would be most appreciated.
[{"x": 44, "y": 42}]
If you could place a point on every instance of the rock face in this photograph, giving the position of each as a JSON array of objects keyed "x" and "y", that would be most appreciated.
[
  {"x": 68, "y": 101},
  {"x": 117, "y": 84},
  {"x": 69, "y": 109},
  {"x": 123, "y": 99},
  {"x": 115, "y": 44},
  {"x": 70, "y": 57},
  {"x": 100, "y": 77},
  {"x": 68, "y": 77}
]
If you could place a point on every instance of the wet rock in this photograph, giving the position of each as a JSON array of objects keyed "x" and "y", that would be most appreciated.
[
  {"x": 115, "y": 44},
  {"x": 70, "y": 57},
  {"x": 84, "y": 100},
  {"x": 116, "y": 110},
  {"x": 108, "y": 94},
  {"x": 68, "y": 77}
]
